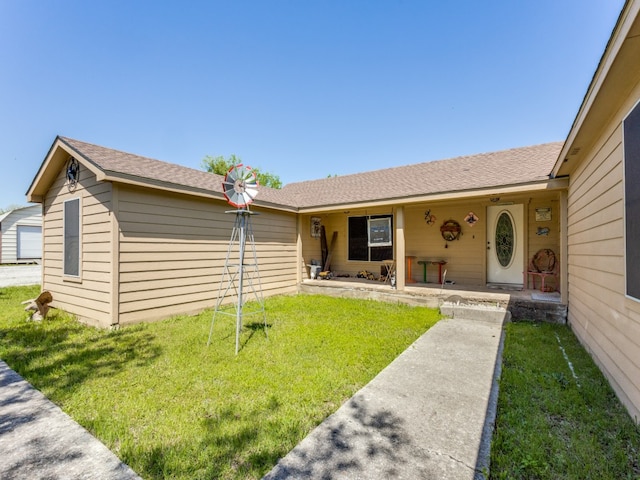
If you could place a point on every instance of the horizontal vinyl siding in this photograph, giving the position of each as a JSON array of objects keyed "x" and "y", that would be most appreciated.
[
  {"x": 550, "y": 241},
  {"x": 337, "y": 222},
  {"x": 465, "y": 257},
  {"x": 173, "y": 250},
  {"x": 605, "y": 321},
  {"x": 89, "y": 296},
  {"x": 9, "y": 231}
]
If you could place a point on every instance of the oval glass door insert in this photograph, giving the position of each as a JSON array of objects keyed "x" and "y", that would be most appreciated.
[{"x": 505, "y": 240}]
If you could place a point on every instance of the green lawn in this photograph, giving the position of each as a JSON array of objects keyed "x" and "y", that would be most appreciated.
[
  {"x": 171, "y": 407},
  {"x": 552, "y": 424}
]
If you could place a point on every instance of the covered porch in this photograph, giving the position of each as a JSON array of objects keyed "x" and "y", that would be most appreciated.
[
  {"x": 448, "y": 243},
  {"x": 524, "y": 304}
]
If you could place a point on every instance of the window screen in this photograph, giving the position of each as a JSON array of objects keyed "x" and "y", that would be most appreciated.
[
  {"x": 632, "y": 201},
  {"x": 367, "y": 231},
  {"x": 72, "y": 237}
]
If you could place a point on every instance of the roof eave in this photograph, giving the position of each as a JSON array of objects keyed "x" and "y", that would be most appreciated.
[
  {"x": 615, "y": 44},
  {"x": 39, "y": 178},
  {"x": 110, "y": 176},
  {"x": 537, "y": 186}
]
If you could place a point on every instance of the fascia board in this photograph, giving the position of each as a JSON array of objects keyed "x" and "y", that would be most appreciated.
[
  {"x": 108, "y": 176},
  {"x": 546, "y": 185}
]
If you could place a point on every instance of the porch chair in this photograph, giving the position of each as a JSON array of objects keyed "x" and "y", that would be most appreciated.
[{"x": 543, "y": 265}]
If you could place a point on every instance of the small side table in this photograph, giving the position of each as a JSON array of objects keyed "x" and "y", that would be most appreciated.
[
  {"x": 408, "y": 278},
  {"x": 390, "y": 267},
  {"x": 424, "y": 264},
  {"x": 440, "y": 263}
]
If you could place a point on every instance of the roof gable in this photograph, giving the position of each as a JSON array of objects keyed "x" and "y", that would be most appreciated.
[
  {"x": 118, "y": 166},
  {"x": 31, "y": 209}
]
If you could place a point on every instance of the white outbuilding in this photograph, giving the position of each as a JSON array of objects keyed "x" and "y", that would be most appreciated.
[{"x": 21, "y": 235}]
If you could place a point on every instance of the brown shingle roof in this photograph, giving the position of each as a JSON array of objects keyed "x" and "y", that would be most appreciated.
[
  {"x": 115, "y": 163},
  {"x": 496, "y": 169}
]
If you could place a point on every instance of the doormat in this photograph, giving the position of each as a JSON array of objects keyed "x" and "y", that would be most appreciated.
[
  {"x": 505, "y": 286},
  {"x": 546, "y": 296}
]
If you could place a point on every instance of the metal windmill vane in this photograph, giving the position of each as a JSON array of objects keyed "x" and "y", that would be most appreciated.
[{"x": 240, "y": 187}]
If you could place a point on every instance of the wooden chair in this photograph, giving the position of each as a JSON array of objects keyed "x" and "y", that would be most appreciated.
[{"x": 543, "y": 265}]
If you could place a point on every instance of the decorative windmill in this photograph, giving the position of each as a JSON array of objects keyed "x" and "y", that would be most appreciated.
[{"x": 240, "y": 186}]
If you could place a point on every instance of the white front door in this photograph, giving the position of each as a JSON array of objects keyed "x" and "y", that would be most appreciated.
[{"x": 505, "y": 245}]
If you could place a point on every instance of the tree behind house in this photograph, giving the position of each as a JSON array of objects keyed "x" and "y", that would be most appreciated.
[{"x": 221, "y": 166}]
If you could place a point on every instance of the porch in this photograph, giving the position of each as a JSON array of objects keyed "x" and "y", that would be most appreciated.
[{"x": 523, "y": 304}]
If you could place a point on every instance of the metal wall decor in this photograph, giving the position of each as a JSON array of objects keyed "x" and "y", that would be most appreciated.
[
  {"x": 451, "y": 230},
  {"x": 73, "y": 173},
  {"x": 316, "y": 223},
  {"x": 543, "y": 214},
  {"x": 429, "y": 218},
  {"x": 471, "y": 219}
]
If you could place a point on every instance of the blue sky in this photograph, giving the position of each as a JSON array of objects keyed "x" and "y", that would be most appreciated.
[{"x": 303, "y": 89}]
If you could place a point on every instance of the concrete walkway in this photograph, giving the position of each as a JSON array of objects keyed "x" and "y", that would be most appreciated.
[
  {"x": 14, "y": 275},
  {"x": 428, "y": 415},
  {"x": 40, "y": 441}
]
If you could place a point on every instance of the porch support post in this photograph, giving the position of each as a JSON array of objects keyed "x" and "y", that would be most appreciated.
[
  {"x": 400, "y": 249},
  {"x": 300, "y": 267},
  {"x": 564, "y": 249}
]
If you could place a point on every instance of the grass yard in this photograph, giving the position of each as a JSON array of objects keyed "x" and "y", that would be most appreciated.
[
  {"x": 171, "y": 407},
  {"x": 552, "y": 425}
]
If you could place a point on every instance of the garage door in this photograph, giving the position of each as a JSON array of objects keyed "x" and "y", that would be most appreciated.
[{"x": 29, "y": 242}]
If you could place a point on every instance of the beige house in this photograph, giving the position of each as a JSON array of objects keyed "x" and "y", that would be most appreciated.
[
  {"x": 130, "y": 239},
  {"x": 478, "y": 194},
  {"x": 601, "y": 160}
]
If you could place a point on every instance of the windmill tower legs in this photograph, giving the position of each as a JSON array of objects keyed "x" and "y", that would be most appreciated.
[{"x": 240, "y": 275}]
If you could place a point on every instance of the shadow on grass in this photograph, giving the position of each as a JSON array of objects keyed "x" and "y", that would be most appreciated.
[
  {"x": 234, "y": 447},
  {"x": 245, "y": 337},
  {"x": 60, "y": 354},
  {"x": 253, "y": 328}
]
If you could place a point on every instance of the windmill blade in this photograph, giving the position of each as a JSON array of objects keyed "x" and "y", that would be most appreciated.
[{"x": 240, "y": 186}]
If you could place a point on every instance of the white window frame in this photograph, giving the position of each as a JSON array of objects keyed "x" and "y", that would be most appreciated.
[{"x": 379, "y": 232}]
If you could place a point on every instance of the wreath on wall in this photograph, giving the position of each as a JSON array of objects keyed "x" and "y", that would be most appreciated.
[
  {"x": 451, "y": 230},
  {"x": 544, "y": 261}
]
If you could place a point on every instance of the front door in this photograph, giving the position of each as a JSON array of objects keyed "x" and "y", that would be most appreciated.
[{"x": 505, "y": 245}]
